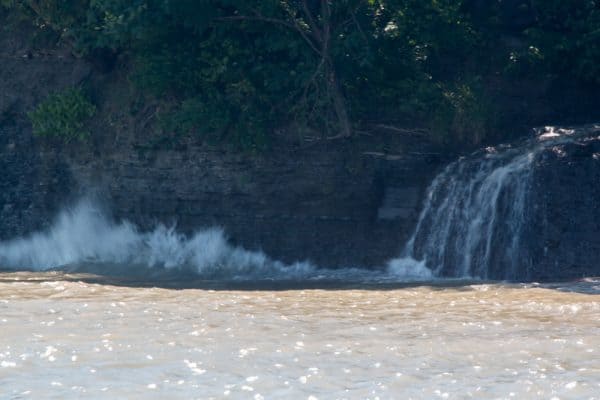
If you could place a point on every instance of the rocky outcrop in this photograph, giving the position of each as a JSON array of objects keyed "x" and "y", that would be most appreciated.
[
  {"x": 523, "y": 211},
  {"x": 565, "y": 221}
]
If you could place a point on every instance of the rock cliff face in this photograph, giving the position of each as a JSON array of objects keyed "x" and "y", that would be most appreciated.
[
  {"x": 565, "y": 223},
  {"x": 33, "y": 180},
  {"x": 336, "y": 204},
  {"x": 351, "y": 203},
  {"x": 334, "y": 208}
]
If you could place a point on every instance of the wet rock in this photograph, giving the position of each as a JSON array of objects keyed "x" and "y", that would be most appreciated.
[{"x": 566, "y": 222}]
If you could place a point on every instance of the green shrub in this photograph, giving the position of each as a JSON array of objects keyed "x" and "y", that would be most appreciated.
[
  {"x": 63, "y": 115},
  {"x": 205, "y": 120}
]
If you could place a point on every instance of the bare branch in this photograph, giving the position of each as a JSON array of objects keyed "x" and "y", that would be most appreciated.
[{"x": 403, "y": 131}]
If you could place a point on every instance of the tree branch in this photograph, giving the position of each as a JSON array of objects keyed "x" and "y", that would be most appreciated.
[
  {"x": 311, "y": 22},
  {"x": 294, "y": 26}
]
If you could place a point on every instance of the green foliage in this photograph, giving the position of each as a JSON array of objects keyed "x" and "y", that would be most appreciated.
[
  {"x": 235, "y": 70},
  {"x": 63, "y": 115},
  {"x": 8, "y": 4},
  {"x": 566, "y": 39},
  {"x": 246, "y": 130}
]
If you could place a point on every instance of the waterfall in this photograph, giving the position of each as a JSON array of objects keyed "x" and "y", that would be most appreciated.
[
  {"x": 475, "y": 217},
  {"x": 476, "y": 222}
]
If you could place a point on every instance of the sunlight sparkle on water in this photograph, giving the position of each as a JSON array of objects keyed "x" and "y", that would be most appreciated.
[{"x": 480, "y": 341}]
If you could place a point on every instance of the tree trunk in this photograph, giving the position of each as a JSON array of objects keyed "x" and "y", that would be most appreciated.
[
  {"x": 339, "y": 104},
  {"x": 333, "y": 87}
]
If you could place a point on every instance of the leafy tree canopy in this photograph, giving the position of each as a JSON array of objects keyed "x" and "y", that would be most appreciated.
[{"x": 237, "y": 69}]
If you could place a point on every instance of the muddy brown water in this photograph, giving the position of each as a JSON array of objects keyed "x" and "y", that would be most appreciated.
[{"x": 69, "y": 336}]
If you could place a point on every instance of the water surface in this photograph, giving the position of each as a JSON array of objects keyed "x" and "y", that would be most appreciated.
[{"x": 67, "y": 336}]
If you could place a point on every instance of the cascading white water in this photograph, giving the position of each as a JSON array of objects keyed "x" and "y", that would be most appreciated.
[
  {"x": 472, "y": 225},
  {"x": 84, "y": 236},
  {"x": 475, "y": 214},
  {"x": 474, "y": 208}
]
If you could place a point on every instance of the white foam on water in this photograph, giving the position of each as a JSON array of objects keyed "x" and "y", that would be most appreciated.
[
  {"x": 84, "y": 234},
  {"x": 409, "y": 267},
  {"x": 79, "y": 234}
]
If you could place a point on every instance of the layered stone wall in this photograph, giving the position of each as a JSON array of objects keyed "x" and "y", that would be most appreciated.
[{"x": 334, "y": 203}]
